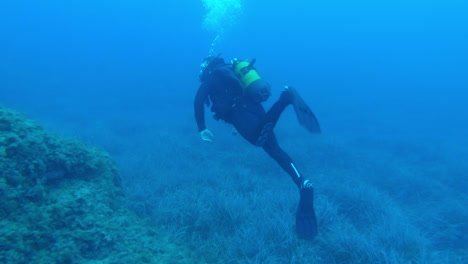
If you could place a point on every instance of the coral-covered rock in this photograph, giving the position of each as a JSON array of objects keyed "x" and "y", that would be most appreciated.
[{"x": 61, "y": 202}]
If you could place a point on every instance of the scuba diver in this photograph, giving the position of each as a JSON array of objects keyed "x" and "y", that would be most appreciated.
[{"x": 235, "y": 92}]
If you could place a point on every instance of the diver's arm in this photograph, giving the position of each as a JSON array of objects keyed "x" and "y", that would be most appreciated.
[{"x": 200, "y": 98}]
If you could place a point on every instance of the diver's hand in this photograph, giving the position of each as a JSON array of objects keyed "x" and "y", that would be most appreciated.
[{"x": 206, "y": 135}]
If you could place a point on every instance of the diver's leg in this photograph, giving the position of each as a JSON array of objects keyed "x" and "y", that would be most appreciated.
[
  {"x": 247, "y": 121},
  {"x": 273, "y": 149},
  {"x": 306, "y": 223},
  {"x": 247, "y": 118},
  {"x": 273, "y": 115}
]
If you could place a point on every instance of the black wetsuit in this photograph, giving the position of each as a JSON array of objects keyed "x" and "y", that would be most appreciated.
[{"x": 224, "y": 90}]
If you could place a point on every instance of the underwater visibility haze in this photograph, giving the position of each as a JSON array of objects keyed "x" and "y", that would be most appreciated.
[{"x": 387, "y": 81}]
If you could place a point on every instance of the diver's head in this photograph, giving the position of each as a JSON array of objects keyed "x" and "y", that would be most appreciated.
[{"x": 208, "y": 64}]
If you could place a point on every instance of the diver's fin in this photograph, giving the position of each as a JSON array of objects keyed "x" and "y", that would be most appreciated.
[
  {"x": 305, "y": 116},
  {"x": 306, "y": 223}
]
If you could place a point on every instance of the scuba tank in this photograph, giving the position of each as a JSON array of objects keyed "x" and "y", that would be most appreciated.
[{"x": 253, "y": 85}]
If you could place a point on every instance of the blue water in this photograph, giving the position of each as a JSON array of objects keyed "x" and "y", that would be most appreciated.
[
  {"x": 389, "y": 65},
  {"x": 388, "y": 69}
]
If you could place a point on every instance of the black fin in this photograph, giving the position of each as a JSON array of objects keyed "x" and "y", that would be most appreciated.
[
  {"x": 305, "y": 116},
  {"x": 306, "y": 222}
]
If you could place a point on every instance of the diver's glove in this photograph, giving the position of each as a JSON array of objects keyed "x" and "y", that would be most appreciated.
[{"x": 206, "y": 135}]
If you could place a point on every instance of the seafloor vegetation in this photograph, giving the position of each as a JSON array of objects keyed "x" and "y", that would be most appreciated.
[
  {"x": 378, "y": 199},
  {"x": 61, "y": 202}
]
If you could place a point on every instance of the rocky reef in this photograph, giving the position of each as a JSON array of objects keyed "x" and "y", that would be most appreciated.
[{"x": 61, "y": 202}]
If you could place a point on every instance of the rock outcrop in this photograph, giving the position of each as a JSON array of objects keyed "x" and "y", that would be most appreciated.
[{"x": 61, "y": 202}]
